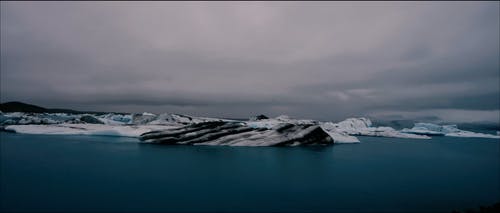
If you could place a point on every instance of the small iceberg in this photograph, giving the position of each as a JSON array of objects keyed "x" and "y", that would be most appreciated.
[
  {"x": 345, "y": 130},
  {"x": 444, "y": 130}
]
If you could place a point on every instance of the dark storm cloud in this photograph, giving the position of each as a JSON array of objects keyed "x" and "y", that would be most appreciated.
[{"x": 322, "y": 60}]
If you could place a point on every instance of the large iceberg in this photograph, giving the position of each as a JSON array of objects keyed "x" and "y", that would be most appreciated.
[
  {"x": 239, "y": 134},
  {"x": 341, "y": 132},
  {"x": 444, "y": 130},
  {"x": 270, "y": 123}
]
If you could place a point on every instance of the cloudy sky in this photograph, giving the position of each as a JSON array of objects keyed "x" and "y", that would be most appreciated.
[{"x": 318, "y": 60}]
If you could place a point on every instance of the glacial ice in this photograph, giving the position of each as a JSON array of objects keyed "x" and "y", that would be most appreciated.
[
  {"x": 444, "y": 130},
  {"x": 270, "y": 123},
  {"x": 238, "y": 134},
  {"x": 345, "y": 131},
  {"x": 341, "y": 137},
  {"x": 342, "y": 132},
  {"x": 259, "y": 131},
  {"x": 116, "y": 119},
  {"x": 86, "y": 129}
]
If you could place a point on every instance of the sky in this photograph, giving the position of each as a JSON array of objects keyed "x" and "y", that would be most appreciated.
[{"x": 315, "y": 60}]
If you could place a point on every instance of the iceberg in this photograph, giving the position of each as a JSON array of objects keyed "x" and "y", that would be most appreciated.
[
  {"x": 239, "y": 134},
  {"x": 169, "y": 128},
  {"x": 444, "y": 130},
  {"x": 341, "y": 132},
  {"x": 345, "y": 131},
  {"x": 270, "y": 123}
]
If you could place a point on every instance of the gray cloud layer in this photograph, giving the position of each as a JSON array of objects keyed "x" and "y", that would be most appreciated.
[{"x": 322, "y": 60}]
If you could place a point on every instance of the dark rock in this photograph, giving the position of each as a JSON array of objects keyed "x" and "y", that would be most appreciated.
[{"x": 16, "y": 106}]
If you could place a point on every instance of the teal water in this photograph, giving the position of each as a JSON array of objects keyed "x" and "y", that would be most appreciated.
[{"x": 91, "y": 173}]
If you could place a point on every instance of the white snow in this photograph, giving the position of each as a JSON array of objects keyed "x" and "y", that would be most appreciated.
[{"x": 148, "y": 114}]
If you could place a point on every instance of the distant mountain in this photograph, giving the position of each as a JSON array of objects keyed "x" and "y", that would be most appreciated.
[
  {"x": 16, "y": 106},
  {"x": 21, "y": 107}
]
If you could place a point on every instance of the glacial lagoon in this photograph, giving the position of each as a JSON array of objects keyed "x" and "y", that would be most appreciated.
[{"x": 98, "y": 173}]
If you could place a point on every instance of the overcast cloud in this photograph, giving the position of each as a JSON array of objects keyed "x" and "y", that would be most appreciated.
[{"x": 319, "y": 60}]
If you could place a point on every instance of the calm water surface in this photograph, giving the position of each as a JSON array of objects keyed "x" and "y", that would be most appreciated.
[{"x": 91, "y": 173}]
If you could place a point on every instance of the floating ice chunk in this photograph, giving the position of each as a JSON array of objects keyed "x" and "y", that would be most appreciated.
[
  {"x": 363, "y": 127},
  {"x": 419, "y": 131},
  {"x": 388, "y": 132},
  {"x": 469, "y": 134},
  {"x": 444, "y": 130},
  {"x": 431, "y": 129}
]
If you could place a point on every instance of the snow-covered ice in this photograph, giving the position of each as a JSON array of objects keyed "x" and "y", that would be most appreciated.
[
  {"x": 238, "y": 134},
  {"x": 133, "y": 125},
  {"x": 87, "y": 129},
  {"x": 362, "y": 127},
  {"x": 444, "y": 130}
]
